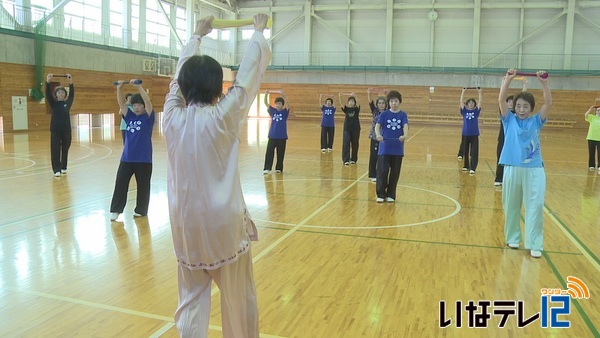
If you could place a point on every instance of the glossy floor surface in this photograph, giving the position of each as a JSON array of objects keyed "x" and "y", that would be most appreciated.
[{"x": 331, "y": 262}]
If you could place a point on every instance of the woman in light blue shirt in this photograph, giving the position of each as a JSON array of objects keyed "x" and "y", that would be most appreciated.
[{"x": 524, "y": 175}]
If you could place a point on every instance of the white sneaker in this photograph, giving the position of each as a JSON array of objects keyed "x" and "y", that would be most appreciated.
[
  {"x": 536, "y": 253},
  {"x": 592, "y": 169},
  {"x": 323, "y": 151},
  {"x": 278, "y": 171},
  {"x": 266, "y": 171},
  {"x": 328, "y": 150},
  {"x": 389, "y": 199},
  {"x": 460, "y": 158},
  {"x": 135, "y": 214},
  {"x": 352, "y": 162},
  {"x": 465, "y": 169},
  {"x": 373, "y": 179},
  {"x": 63, "y": 171},
  {"x": 346, "y": 163},
  {"x": 379, "y": 200},
  {"x": 471, "y": 172},
  {"x": 57, "y": 174},
  {"x": 114, "y": 216},
  {"x": 513, "y": 245},
  {"x": 497, "y": 184}
]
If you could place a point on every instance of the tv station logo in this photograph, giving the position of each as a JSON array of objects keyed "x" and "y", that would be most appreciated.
[{"x": 555, "y": 305}]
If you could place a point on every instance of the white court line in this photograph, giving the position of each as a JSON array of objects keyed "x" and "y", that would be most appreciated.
[
  {"x": 573, "y": 240},
  {"x": 92, "y": 304},
  {"x": 256, "y": 258}
]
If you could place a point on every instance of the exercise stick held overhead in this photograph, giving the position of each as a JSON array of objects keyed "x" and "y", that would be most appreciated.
[
  {"x": 136, "y": 82},
  {"x": 223, "y": 24},
  {"x": 543, "y": 75}
]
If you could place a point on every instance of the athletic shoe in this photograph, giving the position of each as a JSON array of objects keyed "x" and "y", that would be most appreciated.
[
  {"x": 373, "y": 179},
  {"x": 497, "y": 184},
  {"x": 135, "y": 214},
  {"x": 266, "y": 171},
  {"x": 513, "y": 245},
  {"x": 460, "y": 158},
  {"x": 465, "y": 169},
  {"x": 329, "y": 150},
  {"x": 346, "y": 163},
  {"x": 389, "y": 199},
  {"x": 352, "y": 162},
  {"x": 536, "y": 253},
  {"x": 323, "y": 150},
  {"x": 63, "y": 171},
  {"x": 471, "y": 172},
  {"x": 57, "y": 174},
  {"x": 278, "y": 171},
  {"x": 592, "y": 169},
  {"x": 114, "y": 216},
  {"x": 379, "y": 200}
]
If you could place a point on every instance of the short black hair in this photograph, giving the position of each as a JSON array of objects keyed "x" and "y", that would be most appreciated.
[
  {"x": 137, "y": 98},
  {"x": 60, "y": 88},
  {"x": 280, "y": 99},
  {"x": 471, "y": 99},
  {"x": 128, "y": 95},
  {"x": 527, "y": 97},
  {"x": 200, "y": 79},
  {"x": 394, "y": 94},
  {"x": 511, "y": 97}
]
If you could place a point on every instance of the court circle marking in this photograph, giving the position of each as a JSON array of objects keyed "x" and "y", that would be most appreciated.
[{"x": 450, "y": 215}]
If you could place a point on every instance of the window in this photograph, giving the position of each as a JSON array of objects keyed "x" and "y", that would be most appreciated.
[
  {"x": 83, "y": 16},
  {"x": 247, "y": 33}
]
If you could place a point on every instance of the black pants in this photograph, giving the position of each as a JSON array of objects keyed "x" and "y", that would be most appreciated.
[
  {"x": 272, "y": 144},
  {"x": 350, "y": 145},
  {"x": 327, "y": 137},
  {"x": 499, "y": 167},
  {"x": 593, "y": 149},
  {"x": 143, "y": 173},
  {"x": 470, "y": 147},
  {"x": 373, "y": 158},
  {"x": 388, "y": 175},
  {"x": 60, "y": 142},
  {"x": 462, "y": 145}
]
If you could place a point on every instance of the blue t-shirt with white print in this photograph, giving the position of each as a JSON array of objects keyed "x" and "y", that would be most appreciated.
[
  {"x": 522, "y": 141},
  {"x": 279, "y": 118},
  {"x": 328, "y": 116},
  {"x": 392, "y": 127},
  {"x": 138, "y": 143},
  {"x": 470, "y": 121}
]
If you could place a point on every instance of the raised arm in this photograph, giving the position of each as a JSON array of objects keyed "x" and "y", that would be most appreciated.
[
  {"x": 147, "y": 102},
  {"x": 266, "y": 100},
  {"x": 510, "y": 75},
  {"x": 49, "y": 94},
  {"x": 71, "y": 89},
  {"x": 480, "y": 97},
  {"x": 590, "y": 110},
  {"x": 286, "y": 102},
  {"x": 121, "y": 99},
  {"x": 547, "y": 95},
  {"x": 356, "y": 103},
  {"x": 369, "y": 91},
  {"x": 461, "y": 104},
  {"x": 340, "y": 99}
]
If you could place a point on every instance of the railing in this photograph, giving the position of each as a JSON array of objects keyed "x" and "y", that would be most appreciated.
[{"x": 24, "y": 19}]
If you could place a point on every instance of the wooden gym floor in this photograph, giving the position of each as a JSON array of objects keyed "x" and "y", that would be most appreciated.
[{"x": 331, "y": 262}]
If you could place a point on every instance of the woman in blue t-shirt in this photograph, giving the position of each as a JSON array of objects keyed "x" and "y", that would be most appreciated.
[
  {"x": 391, "y": 131},
  {"x": 137, "y": 153},
  {"x": 278, "y": 131},
  {"x": 327, "y": 123},
  {"x": 470, "y": 111}
]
